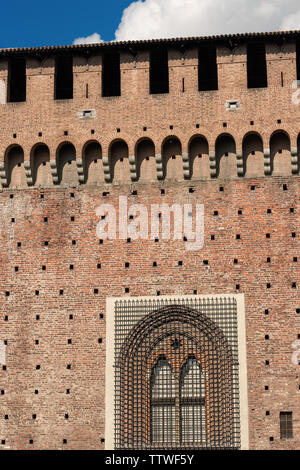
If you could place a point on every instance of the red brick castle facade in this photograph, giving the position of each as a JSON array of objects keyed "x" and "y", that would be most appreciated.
[{"x": 212, "y": 120}]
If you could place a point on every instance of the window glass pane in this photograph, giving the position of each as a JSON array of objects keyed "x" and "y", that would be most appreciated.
[
  {"x": 162, "y": 403},
  {"x": 163, "y": 384},
  {"x": 163, "y": 424},
  {"x": 193, "y": 424},
  {"x": 286, "y": 425},
  {"x": 192, "y": 380},
  {"x": 193, "y": 412}
]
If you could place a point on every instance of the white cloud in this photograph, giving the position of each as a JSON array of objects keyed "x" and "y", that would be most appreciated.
[
  {"x": 173, "y": 18},
  {"x": 92, "y": 39},
  {"x": 292, "y": 21}
]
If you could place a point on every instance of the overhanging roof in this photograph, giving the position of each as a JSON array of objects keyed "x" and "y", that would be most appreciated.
[{"x": 146, "y": 43}]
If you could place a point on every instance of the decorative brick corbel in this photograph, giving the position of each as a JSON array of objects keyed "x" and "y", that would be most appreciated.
[
  {"x": 28, "y": 172},
  {"x": 240, "y": 163},
  {"x": 294, "y": 160},
  {"x": 186, "y": 166},
  {"x": 213, "y": 164},
  {"x": 267, "y": 161},
  {"x": 106, "y": 169},
  {"x": 3, "y": 175},
  {"x": 132, "y": 167},
  {"x": 54, "y": 172},
  {"x": 80, "y": 170},
  {"x": 159, "y": 167}
]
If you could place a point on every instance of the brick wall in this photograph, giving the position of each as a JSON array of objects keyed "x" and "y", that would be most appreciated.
[{"x": 55, "y": 304}]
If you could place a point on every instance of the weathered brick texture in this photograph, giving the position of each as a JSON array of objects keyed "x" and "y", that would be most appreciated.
[{"x": 57, "y": 304}]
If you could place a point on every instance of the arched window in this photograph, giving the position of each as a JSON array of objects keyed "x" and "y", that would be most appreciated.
[
  {"x": 162, "y": 403},
  {"x": 192, "y": 403},
  {"x": 178, "y": 403}
]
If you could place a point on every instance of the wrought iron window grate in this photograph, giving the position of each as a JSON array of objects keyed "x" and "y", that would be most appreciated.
[{"x": 176, "y": 374}]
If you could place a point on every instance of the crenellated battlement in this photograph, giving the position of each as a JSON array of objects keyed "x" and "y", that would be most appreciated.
[{"x": 194, "y": 108}]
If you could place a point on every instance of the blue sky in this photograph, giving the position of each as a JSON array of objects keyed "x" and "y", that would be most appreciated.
[
  {"x": 40, "y": 23},
  {"x": 44, "y": 23}
]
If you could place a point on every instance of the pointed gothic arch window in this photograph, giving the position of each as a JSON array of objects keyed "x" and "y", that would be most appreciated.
[
  {"x": 162, "y": 403},
  {"x": 192, "y": 402},
  {"x": 178, "y": 414}
]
